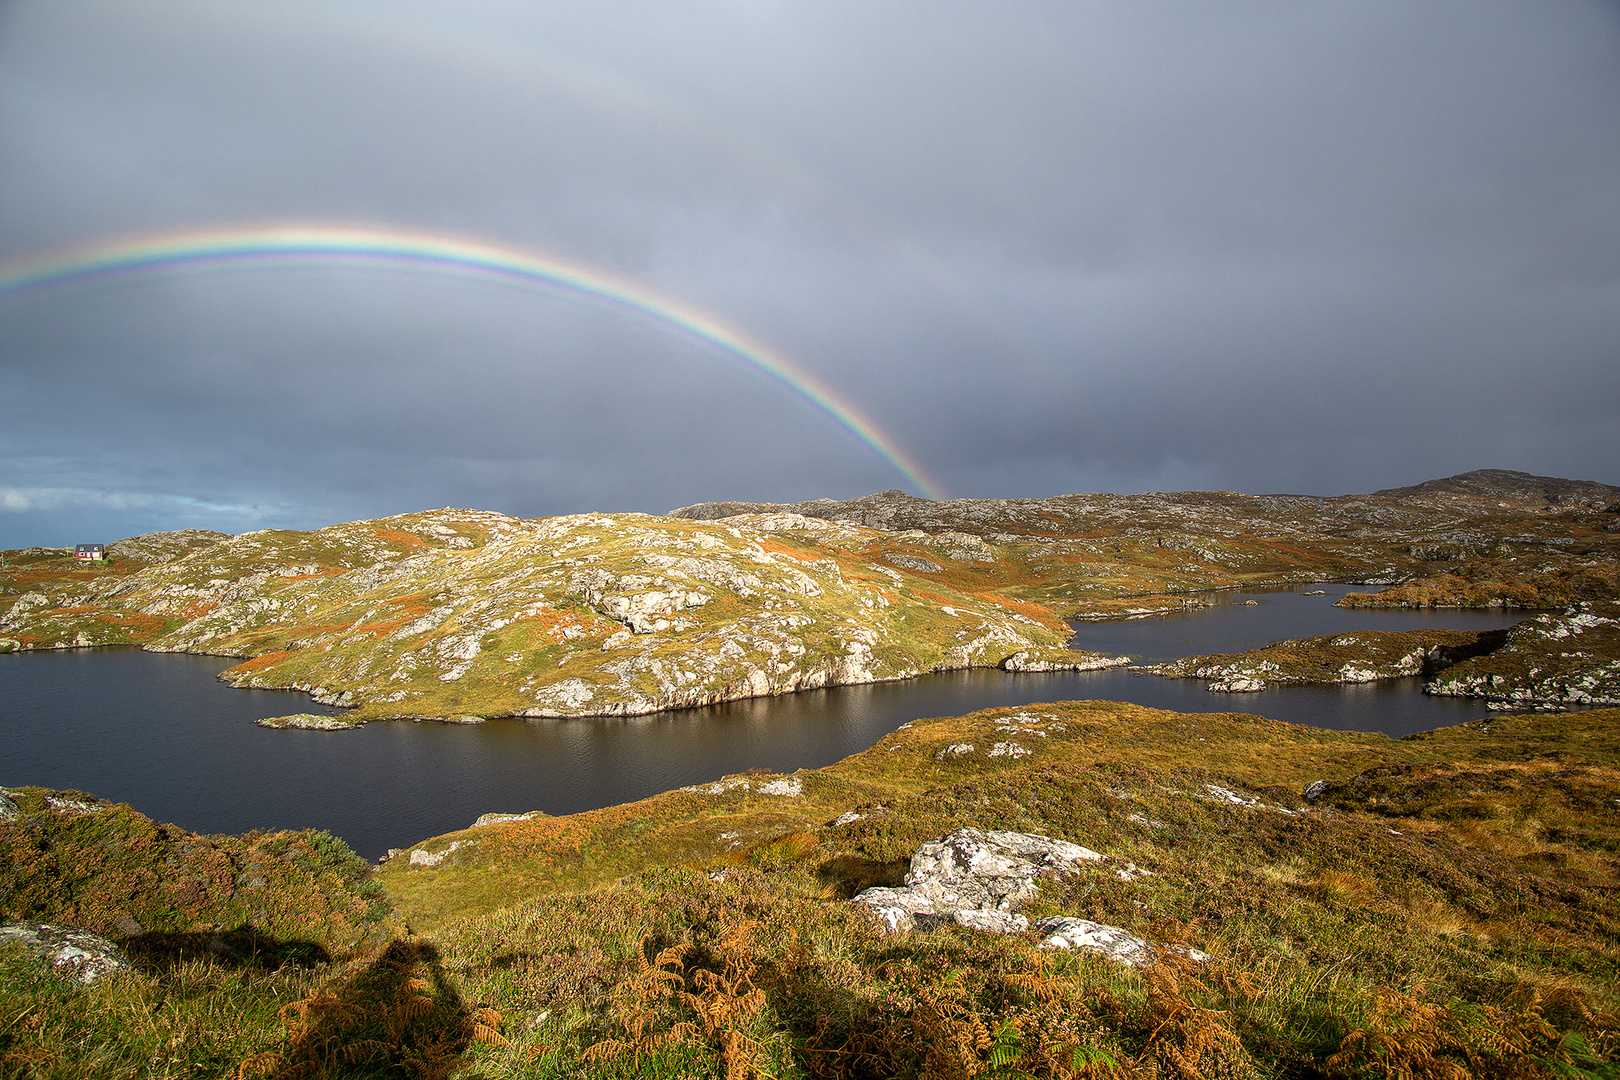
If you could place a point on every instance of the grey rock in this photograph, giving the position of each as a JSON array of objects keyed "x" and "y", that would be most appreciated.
[
  {"x": 8, "y": 809},
  {"x": 496, "y": 819},
  {"x": 1316, "y": 789},
  {"x": 1068, "y": 932},
  {"x": 1026, "y": 661},
  {"x": 914, "y": 562},
  {"x": 307, "y": 722},
  {"x": 994, "y": 922},
  {"x": 1237, "y": 684},
  {"x": 429, "y": 858},
  {"x": 72, "y": 806},
  {"x": 69, "y": 950},
  {"x": 974, "y": 878}
]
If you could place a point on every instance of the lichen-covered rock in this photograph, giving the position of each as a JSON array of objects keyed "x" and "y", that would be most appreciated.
[
  {"x": 979, "y": 880},
  {"x": 497, "y": 819},
  {"x": 1060, "y": 660},
  {"x": 974, "y": 878},
  {"x": 69, "y": 950},
  {"x": 420, "y": 857},
  {"x": 1067, "y": 932},
  {"x": 1237, "y": 684}
]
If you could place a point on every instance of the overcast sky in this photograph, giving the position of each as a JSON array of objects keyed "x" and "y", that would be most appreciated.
[{"x": 1043, "y": 247}]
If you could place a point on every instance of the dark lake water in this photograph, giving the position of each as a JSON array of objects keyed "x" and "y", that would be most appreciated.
[{"x": 157, "y": 731}]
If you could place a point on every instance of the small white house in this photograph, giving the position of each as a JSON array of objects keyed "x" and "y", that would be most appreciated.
[{"x": 90, "y": 552}]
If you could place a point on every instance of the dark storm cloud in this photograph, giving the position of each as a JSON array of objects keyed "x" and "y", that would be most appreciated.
[{"x": 1046, "y": 247}]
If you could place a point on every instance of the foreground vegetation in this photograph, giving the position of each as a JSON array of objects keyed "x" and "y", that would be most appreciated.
[{"x": 1446, "y": 906}]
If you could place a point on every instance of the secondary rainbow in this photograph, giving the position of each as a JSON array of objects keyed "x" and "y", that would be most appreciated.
[{"x": 435, "y": 253}]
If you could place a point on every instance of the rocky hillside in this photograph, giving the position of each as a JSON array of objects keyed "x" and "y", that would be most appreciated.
[
  {"x": 1486, "y": 494},
  {"x": 463, "y": 614}
]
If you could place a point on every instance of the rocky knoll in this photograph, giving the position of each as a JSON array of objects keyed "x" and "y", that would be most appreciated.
[
  {"x": 1356, "y": 657},
  {"x": 1547, "y": 661},
  {"x": 459, "y": 614}
]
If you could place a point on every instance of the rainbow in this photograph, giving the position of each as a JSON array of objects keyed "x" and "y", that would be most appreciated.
[{"x": 441, "y": 254}]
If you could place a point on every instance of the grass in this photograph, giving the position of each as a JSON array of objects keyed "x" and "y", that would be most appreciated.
[
  {"x": 109, "y": 869},
  {"x": 1447, "y": 908}
]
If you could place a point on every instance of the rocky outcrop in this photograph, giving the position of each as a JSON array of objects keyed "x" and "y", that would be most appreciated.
[
  {"x": 498, "y": 819},
  {"x": 980, "y": 880},
  {"x": 1061, "y": 660},
  {"x": 162, "y": 547},
  {"x": 422, "y": 857},
  {"x": 976, "y": 879},
  {"x": 68, "y": 950},
  {"x": 1548, "y": 661},
  {"x": 308, "y": 722}
]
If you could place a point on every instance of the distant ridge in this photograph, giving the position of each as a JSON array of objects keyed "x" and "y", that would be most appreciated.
[
  {"x": 1518, "y": 487},
  {"x": 1428, "y": 504}
]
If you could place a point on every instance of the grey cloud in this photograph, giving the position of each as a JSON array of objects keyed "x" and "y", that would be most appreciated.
[{"x": 1046, "y": 247}]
